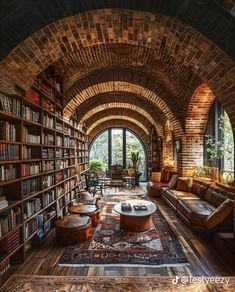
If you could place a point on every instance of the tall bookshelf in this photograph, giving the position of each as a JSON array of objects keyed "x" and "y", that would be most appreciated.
[
  {"x": 154, "y": 152},
  {"x": 42, "y": 159}
]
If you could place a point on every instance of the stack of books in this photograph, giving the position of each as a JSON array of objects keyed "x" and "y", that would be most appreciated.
[
  {"x": 140, "y": 207},
  {"x": 33, "y": 96},
  {"x": 125, "y": 207},
  {"x": 3, "y": 202}
]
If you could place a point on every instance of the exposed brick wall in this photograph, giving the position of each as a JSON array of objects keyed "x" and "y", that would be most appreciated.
[
  {"x": 168, "y": 145},
  {"x": 192, "y": 141}
]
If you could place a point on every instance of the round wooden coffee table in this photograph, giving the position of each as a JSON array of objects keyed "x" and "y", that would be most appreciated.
[
  {"x": 87, "y": 209},
  {"x": 136, "y": 221},
  {"x": 72, "y": 229}
]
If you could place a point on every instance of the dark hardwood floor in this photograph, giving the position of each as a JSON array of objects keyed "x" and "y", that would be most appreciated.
[{"x": 203, "y": 259}]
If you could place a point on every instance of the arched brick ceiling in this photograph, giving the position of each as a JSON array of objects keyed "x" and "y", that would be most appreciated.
[
  {"x": 118, "y": 123},
  {"x": 166, "y": 70},
  {"x": 81, "y": 95},
  {"x": 131, "y": 114},
  {"x": 104, "y": 109},
  {"x": 213, "y": 18},
  {"x": 116, "y": 117},
  {"x": 132, "y": 99},
  {"x": 167, "y": 36}
]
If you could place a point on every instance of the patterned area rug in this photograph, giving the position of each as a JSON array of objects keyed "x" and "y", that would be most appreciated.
[
  {"x": 108, "y": 284},
  {"x": 157, "y": 247}
]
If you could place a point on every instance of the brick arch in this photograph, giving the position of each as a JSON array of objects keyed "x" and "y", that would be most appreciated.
[
  {"x": 120, "y": 106},
  {"x": 119, "y": 123},
  {"x": 29, "y": 16},
  {"x": 167, "y": 36},
  {"x": 121, "y": 86},
  {"x": 146, "y": 124},
  {"x": 117, "y": 117},
  {"x": 195, "y": 125},
  {"x": 165, "y": 69}
]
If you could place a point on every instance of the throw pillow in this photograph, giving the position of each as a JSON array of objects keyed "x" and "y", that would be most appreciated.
[
  {"x": 185, "y": 184},
  {"x": 220, "y": 214},
  {"x": 173, "y": 181},
  {"x": 156, "y": 176},
  {"x": 165, "y": 175}
]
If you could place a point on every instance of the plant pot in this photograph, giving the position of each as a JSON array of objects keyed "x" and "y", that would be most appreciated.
[{"x": 137, "y": 178}]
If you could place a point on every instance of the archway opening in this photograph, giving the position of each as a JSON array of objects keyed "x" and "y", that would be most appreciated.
[{"x": 115, "y": 145}]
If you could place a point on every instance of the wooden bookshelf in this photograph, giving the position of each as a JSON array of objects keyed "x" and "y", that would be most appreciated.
[
  {"x": 41, "y": 167},
  {"x": 154, "y": 152}
]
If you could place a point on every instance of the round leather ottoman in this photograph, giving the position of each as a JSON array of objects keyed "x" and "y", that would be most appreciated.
[
  {"x": 154, "y": 189},
  {"x": 87, "y": 209},
  {"x": 72, "y": 229}
]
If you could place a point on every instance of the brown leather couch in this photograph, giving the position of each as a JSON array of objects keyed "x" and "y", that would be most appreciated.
[
  {"x": 205, "y": 207},
  {"x": 154, "y": 188}
]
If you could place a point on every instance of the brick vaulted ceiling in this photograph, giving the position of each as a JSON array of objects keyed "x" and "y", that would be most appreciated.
[{"x": 138, "y": 59}]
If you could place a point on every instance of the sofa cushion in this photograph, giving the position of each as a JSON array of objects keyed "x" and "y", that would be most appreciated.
[
  {"x": 196, "y": 211},
  {"x": 173, "y": 196},
  {"x": 215, "y": 195},
  {"x": 173, "y": 181},
  {"x": 219, "y": 214},
  {"x": 184, "y": 184},
  {"x": 165, "y": 175},
  {"x": 156, "y": 176},
  {"x": 199, "y": 189}
]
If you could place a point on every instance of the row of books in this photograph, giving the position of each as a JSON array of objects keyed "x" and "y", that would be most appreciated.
[
  {"x": 59, "y": 126},
  {"x": 48, "y": 105},
  {"x": 59, "y": 176},
  {"x": 49, "y": 197},
  {"x": 60, "y": 164},
  {"x": 47, "y": 91},
  {"x": 48, "y": 121},
  {"x": 8, "y": 172},
  {"x": 7, "y": 131},
  {"x": 32, "y": 206},
  {"x": 31, "y": 115},
  {"x": 26, "y": 152},
  {"x": 48, "y": 165},
  {"x": 59, "y": 141},
  {"x": 29, "y": 137},
  {"x": 9, "y": 152},
  {"x": 30, "y": 227},
  {"x": 10, "y": 243},
  {"x": 48, "y": 153},
  {"x": 4, "y": 266},
  {"x": 30, "y": 168},
  {"x": 48, "y": 181},
  {"x": 33, "y": 96},
  {"x": 48, "y": 139},
  {"x": 31, "y": 186},
  {"x": 10, "y": 104},
  {"x": 60, "y": 191},
  {"x": 9, "y": 220}
]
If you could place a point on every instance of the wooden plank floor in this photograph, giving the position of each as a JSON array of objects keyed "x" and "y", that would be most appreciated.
[{"x": 203, "y": 259}]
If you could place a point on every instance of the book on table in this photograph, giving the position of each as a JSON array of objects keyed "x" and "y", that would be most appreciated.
[
  {"x": 125, "y": 207},
  {"x": 140, "y": 207}
]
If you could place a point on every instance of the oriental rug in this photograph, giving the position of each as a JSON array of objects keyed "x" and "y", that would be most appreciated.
[
  {"x": 109, "y": 245},
  {"x": 21, "y": 283}
]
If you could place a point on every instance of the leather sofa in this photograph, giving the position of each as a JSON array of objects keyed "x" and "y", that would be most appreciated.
[
  {"x": 154, "y": 188},
  {"x": 205, "y": 207}
]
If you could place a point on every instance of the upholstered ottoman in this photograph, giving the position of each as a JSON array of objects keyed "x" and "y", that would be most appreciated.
[
  {"x": 72, "y": 229},
  {"x": 154, "y": 189}
]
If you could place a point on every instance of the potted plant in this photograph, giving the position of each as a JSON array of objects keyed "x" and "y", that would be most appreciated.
[{"x": 135, "y": 159}]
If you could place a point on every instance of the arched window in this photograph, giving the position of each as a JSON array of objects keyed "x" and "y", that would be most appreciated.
[
  {"x": 115, "y": 145},
  {"x": 219, "y": 142}
]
